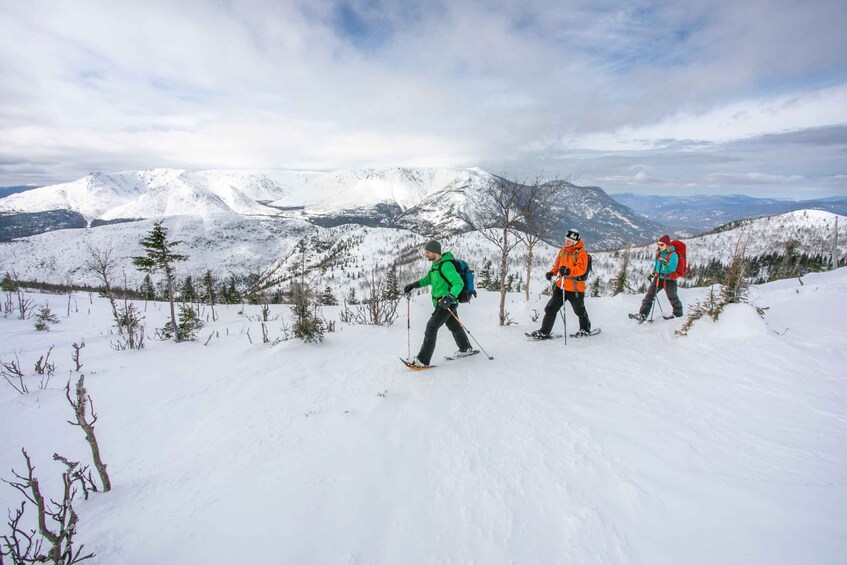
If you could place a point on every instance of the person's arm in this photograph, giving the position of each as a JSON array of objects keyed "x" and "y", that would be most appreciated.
[{"x": 581, "y": 264}]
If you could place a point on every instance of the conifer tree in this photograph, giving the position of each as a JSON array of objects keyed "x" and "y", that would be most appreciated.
[
  {"x": 147, "y": 290},
  {"x": 392, "y": 291},
  {"x": 485, "y": 275},
  {"x": 621, "y": 281},
  {"x": 160, "y": 257},
  {"x": 209, "y": 286},
  {"x": 187, "y": 292},
  {"x": 327, "y": 297}
]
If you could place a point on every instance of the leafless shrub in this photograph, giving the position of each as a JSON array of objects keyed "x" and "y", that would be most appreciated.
[
  {"x": 75, "y": 354},
  {"x": 378, "y": 307},
  {"x": 102, "y": 263},
  {"x": 81, "y": 475},
  {"x": 132, "y": 322},
  {"x": 82, "y": 405},
  {"x": 11, "y": 371},
  {"x": 25, "y": 547},
  {"x": 25, "y": 306},
  {"x": 44, "y": 365}
]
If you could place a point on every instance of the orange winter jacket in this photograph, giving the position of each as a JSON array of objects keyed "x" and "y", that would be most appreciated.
[{"x": 574, "y": 258}]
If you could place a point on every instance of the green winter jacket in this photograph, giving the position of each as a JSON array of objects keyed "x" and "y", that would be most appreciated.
[{"x": 441, "y": 287}]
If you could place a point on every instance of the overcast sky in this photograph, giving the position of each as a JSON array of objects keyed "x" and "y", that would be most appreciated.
[{"x": 694, "y": 96}]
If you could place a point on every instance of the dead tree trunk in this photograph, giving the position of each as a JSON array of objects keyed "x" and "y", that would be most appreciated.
[{"x": 80, "y": 406}]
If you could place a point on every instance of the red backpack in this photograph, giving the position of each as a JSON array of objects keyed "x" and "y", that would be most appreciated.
[{"x": 682, "y": 264}]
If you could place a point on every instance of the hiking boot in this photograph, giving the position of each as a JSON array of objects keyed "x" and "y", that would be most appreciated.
[
  {"x": 538, "y": 334},
  {"x": 465, "y": 353},
  {"x": 640, "y": 317},
  {"x": 582, "y": 333},
  {"x": 416, "y": 363}
]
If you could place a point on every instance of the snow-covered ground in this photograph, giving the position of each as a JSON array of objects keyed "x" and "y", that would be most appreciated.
[{"x": 634, "y": 446}]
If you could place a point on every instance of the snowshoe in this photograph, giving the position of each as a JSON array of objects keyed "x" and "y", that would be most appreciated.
[
  {"x": 584, "y": 333},
  {"x": 416, "y": 365},
  {"x": 459, "y": 354}
]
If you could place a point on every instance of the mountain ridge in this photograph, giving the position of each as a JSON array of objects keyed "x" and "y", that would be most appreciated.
[{"x": 703, "y": 212}]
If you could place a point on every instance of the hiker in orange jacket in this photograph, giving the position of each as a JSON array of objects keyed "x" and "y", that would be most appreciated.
[{"x": 570, "y": 267}]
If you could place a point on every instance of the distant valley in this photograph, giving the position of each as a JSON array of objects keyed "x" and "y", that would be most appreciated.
[{"x": 695, "y": 214}]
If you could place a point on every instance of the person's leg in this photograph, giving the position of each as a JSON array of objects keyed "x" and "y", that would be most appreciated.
[
  {"x": 647, "y": 303},
  {"x": 673, "y": 297},
  {"x": 438, "y": 318},
  {"x": 551, "y": 310},
  {"x": 578, "y": 303},
  {"x": 458, "y": 331}
]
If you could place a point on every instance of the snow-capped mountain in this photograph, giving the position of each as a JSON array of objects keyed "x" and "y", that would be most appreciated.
[
  {"x": 224, "y": 226},
  {"x": 433, "y": 202},
  {"x": 343, "y": 257},
  {"x": 151, "y": 194}
]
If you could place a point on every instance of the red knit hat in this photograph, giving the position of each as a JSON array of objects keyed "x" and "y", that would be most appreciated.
[{"x": 665, "y": 239}]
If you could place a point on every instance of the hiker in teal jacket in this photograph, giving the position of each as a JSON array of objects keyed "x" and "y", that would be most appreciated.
[
  {"x": 446, "y": 285},
  {"x": 663, "y": 277}
]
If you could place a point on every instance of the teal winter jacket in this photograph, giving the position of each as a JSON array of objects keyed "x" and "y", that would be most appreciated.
[
  {"x": 666, "y": 262},
  {"x": 440, "y": 287}
]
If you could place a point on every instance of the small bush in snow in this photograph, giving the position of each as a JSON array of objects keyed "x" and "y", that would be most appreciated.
[
  {"x": 188, "y": 326},
  {"x": 44, "y": 318}
]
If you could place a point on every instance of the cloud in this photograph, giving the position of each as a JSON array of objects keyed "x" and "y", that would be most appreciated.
[
  {"x": 577, "y": 87},
  {"x": 751, "y": 178}
]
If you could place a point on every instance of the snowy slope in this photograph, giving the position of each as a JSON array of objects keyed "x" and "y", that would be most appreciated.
[
  {"x": 813, "y": 229},
  {"x": 226, "y": 245},
  {"x": 630, "y": 447}
]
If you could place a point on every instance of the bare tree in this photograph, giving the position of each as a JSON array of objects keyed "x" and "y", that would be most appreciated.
[
  {"x": 12, "y": 370},
  {"x": 378, "y": 307},
  {"x": 75, "y": 355},
  {"x": 81, "y": 405},
  {"x": 503, "y": 211},
  {"x": 27, "y": 546},
  {"x": 102, "y": 263},
  {"x": 540, "y": 218}
]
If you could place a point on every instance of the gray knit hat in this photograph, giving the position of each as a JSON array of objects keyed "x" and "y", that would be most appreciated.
[{"x": 433, "y": 246}]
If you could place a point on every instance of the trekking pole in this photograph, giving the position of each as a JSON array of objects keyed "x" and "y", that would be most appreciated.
[
  {"x": 469, "y": 333},
  {"x": 655, "y": 297},
  {"x": 662, "y": 310},
  {"x": 564, "y": 314},
  {"x": 409, "y": 324}
]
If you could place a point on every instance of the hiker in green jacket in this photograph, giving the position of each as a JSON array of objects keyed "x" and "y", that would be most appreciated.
[{"x": 446, "y": 285}]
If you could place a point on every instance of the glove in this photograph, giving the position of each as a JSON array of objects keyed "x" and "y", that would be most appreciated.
[
  {"x": 650, "y": 276},
  {"x": 548, "y": 275},
  {"x": 410, "y": 287},
  {"x": 564, "y": 271},
  {"x": 445, "y": 302}
]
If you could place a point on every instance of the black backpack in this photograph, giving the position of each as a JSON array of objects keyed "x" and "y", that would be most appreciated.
[{"x": 468, "y": 290}]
